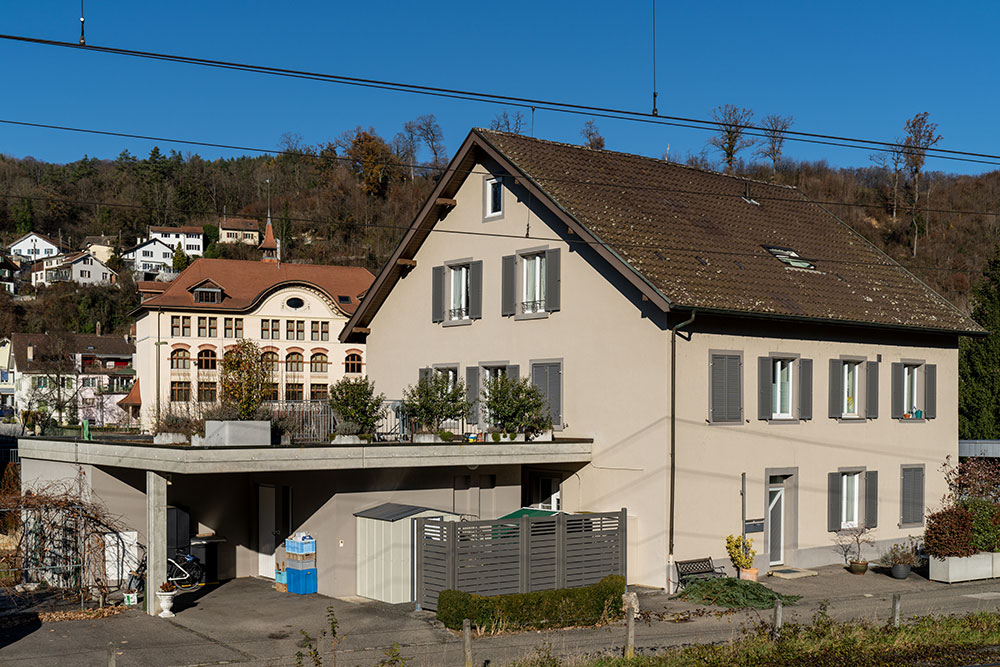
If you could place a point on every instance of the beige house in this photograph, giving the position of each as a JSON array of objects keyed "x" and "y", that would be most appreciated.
[
  {"x": 292, "y": 311},
  {"x": 239, "y": 230},
  {"x": 697, "y": 327}
]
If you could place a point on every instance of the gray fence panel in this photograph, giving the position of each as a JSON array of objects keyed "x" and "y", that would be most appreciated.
[{"x": 520, "y": 555}]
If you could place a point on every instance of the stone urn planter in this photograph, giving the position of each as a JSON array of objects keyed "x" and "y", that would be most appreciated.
[
  {"x": 857, "y": 566},
  {"x": 900, "y": 571},
  {"x": 166, "y": 602},
  {"x": 748, "y": 573}
]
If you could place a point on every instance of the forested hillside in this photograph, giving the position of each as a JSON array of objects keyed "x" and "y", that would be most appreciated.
[{"x": 347, "y": 201}]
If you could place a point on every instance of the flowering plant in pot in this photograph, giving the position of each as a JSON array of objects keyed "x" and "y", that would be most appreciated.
[
  {"x": 741, "y": 553},
  {"x": 850, "y": 541},
  {"x": 901, "y": 558},
  {"x": 165, "y": 596}
]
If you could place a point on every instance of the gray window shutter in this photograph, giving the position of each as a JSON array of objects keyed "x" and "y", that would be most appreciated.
[
  {"x": 508, "y": 297},
  {"x": 555, "y": 393},
  {"x": 472, "y": 392},
  {"x": 764, "y": 408},
  {"x": 897, "y": 391},
  {"x": 836, "y": 389},
  {"x": 833, "y": 501},
  {"x": 871, "y": 390},
  {"x": 437, "y": 294},
  {"x": 871, "y": 499},
  {"x": 805, "y": 388},
  {"x": 912, "y": 510},
  {"x": 734, "y": 393},
  {"x": 476, "y": 290},
  {"x": 552, "y": 273},
  {"x": 425, "y": 374},
  {"x": 930, "y": 391},
  {"x": 718, "y": 388},
  {"x": 514, "y": 372}
]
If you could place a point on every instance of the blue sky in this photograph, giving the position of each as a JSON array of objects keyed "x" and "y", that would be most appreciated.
[{"x": 853, "y": 69}]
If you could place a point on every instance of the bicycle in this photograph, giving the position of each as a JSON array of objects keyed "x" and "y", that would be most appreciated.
[{"x": 186, "y": 574}]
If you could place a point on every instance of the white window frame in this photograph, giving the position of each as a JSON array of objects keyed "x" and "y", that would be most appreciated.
[
  {"x": 450, "y": 372},
  {"x": 534, "y": 266},
  {"x": 458, "y": 304},
  {"x": 910, "y": 388},
  {"x": 493, "y": 186},
  {"x": 776, "y": 388},
  {"x": 847, "y": 521},
  {"x": 849, "y": 388}
]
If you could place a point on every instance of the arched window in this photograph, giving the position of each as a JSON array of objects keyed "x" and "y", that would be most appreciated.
[
  {"x": 293, "y": 363},
  {"x": 318, "y": 363},
  {"x": 207, "y": 360},
  {"x": 180, "y": 360},
  {"x": 352, "y": 363},
  {"x": 270, "y": 360}
]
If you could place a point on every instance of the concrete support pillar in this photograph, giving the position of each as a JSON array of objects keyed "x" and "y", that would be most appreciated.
[{"x": 156, "y": 537}]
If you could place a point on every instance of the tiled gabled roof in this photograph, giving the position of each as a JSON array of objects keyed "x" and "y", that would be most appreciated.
[
  {"x": 45, "y": 347},
  {"x": 240, "y": 224}
]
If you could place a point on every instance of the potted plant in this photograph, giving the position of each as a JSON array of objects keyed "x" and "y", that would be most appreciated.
[
  {"x": 850, "y": 541},
  {"x": 741, "y": 553},
  {"x": 432, "y": 401},
  {"x": 130, "y": 597},
  {"x": 515, "y": 407},
  {"x": 357, "y": 407},
  {"x": 901, "y": 558},
  {"x": 165, "y": 596}
]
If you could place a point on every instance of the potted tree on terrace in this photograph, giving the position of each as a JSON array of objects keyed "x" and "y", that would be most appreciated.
[
  {"x": 358, "y": 410},
  {"x": 430, "y": 403},
  {"x": 515, "y": 408},
  {"x": 851, "y": 541}
]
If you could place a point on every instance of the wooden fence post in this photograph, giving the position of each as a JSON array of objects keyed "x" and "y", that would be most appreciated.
[
  {"x": 777, "y": 619},
  {"x": 112, "y": 656},
  {"x": 467, "y": 641},
  {"x": 630, "y": 604},
  {"x": 895, "y": 610}
]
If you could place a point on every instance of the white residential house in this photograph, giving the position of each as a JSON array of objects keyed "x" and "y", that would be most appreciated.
[
  {"x": 150, "y": 256},
  {"x": 239, "y": 230},
  {"x": 101, "y": 247},
  {"x": 79, "y": 267},
  {"x": 34, "y": 246},
  {"x": 191, "y": 238}
]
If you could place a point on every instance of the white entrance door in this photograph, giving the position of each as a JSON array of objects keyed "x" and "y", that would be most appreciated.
[
  {"x": 265, "y": 531},
  {"x": 776, "y": 521}
]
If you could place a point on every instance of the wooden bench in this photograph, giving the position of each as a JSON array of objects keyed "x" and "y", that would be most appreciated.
[{"x": 698, "y": 568}]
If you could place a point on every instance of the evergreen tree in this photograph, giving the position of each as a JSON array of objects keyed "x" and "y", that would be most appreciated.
[
  {"x": 24, "y": 216},
  {"x": 979, "y": 364},
  {"x": 180, "y": 259}
]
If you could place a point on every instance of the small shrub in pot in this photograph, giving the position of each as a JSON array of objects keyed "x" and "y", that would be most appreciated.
[
  {"x": 434, "y": 400},
  {"x": 354, "y": 401},
  {"x": 515, "y": 406}
]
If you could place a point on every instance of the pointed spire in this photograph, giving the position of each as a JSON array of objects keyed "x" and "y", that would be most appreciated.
[{"x": 269, "y": 246}]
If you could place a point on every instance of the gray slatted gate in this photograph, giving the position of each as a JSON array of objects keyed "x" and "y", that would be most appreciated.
[{"x": 517, "y": 555}]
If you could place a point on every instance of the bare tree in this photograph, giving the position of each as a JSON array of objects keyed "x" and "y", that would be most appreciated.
[
  {"x": 426, "y": 129},
  {"x": 921, "y": 134},
  {"x": 775, "y": 127},
  {"x": 891, "y": 160},
  {"x": 592, "y": 136},
  {"x": 514, "y": 124},
  {"x": 732, "y": 122}
]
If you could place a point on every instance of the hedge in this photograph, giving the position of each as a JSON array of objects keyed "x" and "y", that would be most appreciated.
[{"x": 564, "y": 607}]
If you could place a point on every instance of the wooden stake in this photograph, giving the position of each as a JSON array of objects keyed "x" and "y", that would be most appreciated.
[
  {"x": 895, "y": 610},
  {"x": 629, "y": 633},
  {"x": 467, "y": 641},
  {"x": 777, "y": 618}
]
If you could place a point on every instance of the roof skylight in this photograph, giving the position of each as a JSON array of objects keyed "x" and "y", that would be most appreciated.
[{"x": 790, "y": 257}]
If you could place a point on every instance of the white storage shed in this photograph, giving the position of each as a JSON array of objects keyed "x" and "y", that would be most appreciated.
[{"x": 385, "y": 542}]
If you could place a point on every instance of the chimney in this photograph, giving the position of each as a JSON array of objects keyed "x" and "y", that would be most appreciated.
[
  {"x": 31, "y": 353},
  {"x": 98, "y": 328}
]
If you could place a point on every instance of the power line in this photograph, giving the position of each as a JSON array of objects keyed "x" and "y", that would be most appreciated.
[
  {"x": 524, "y": 102},
  {"x": 549, "y": 239}
]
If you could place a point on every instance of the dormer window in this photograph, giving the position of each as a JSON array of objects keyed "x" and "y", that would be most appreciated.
[
  {"x": 790, "y": 257},
  {"x": 207, "y": 295},
  {"x": 344, "y": 300}
]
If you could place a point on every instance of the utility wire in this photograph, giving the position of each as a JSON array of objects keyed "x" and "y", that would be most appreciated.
[
  {"x": 524, "y": 102},
  {"x": 550, "y": 239}
]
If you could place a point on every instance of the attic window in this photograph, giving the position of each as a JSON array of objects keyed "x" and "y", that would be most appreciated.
[
  {"x": 295, "y": 303},
  {"x": 790, "y": 257},
  {"x": 207, "y": 295},
  {"x": 343, "y": 299}
]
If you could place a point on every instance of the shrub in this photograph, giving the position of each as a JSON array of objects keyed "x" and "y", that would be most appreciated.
[
  {"x": 985, "y": 524},
  {"x": 355, "y": 400},
  {"x": 515, "y": 406},
  {"x": 245, "y": 378},
  {"x": 733, "y": 593},
  {"x": 741, "y": 551},
  {"x": 564, "y": 607},
  {"x": 973, "y": 478},
  {"x": 432, "y": 401},
  {"x": 949, "y": 533},
  {"x": 347, "y": 428},
  {"x": 901, "y": 554}
]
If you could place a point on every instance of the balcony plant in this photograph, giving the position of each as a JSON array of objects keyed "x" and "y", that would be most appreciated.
[
  {"x": 357, "y": 408},
  {"x": 851, "y": 542},
  {"x": 742, "y": 553},
  {"x": 515, "y": 407},
  {"x": 433, "y": 401}
]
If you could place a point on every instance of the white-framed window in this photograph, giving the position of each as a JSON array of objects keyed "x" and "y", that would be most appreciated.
[
  {"x": 149, "y": 253},
  {"x": 84, "y": 273},
  {"x": 849, "y": 483},
  {"x": 494, "y": 197},
  {"x": 910, "y": 397},
  {"x": 851, "y": 396},
  {"x": 533, "y": 283},
  {"x": 781, "y": 388},
  {"x": 450, "y": 372},
  {"x": 460, "y": 292}
]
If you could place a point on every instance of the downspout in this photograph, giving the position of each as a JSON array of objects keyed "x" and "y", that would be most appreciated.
[{"x": 671, "y": 584}]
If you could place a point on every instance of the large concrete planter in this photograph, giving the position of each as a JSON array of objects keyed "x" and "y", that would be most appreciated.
[
  {"x": 234, "y": 434},
  {"x": 426, "y": 438},
  {"x": 967, "y": 568},
  {"x": 348, "y": 440}
]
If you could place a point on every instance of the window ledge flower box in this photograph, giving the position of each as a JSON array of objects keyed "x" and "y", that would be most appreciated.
[{"x": 953, "y": 569}]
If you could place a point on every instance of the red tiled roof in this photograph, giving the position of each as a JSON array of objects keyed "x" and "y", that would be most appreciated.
[
  {"x": 241, "y": 224},
  {"x": 133, "y": 398},
  {"x": 268, "y": 243},
  {"x": 244, "y": 283},
  {"x": 45, "y": 346}
]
